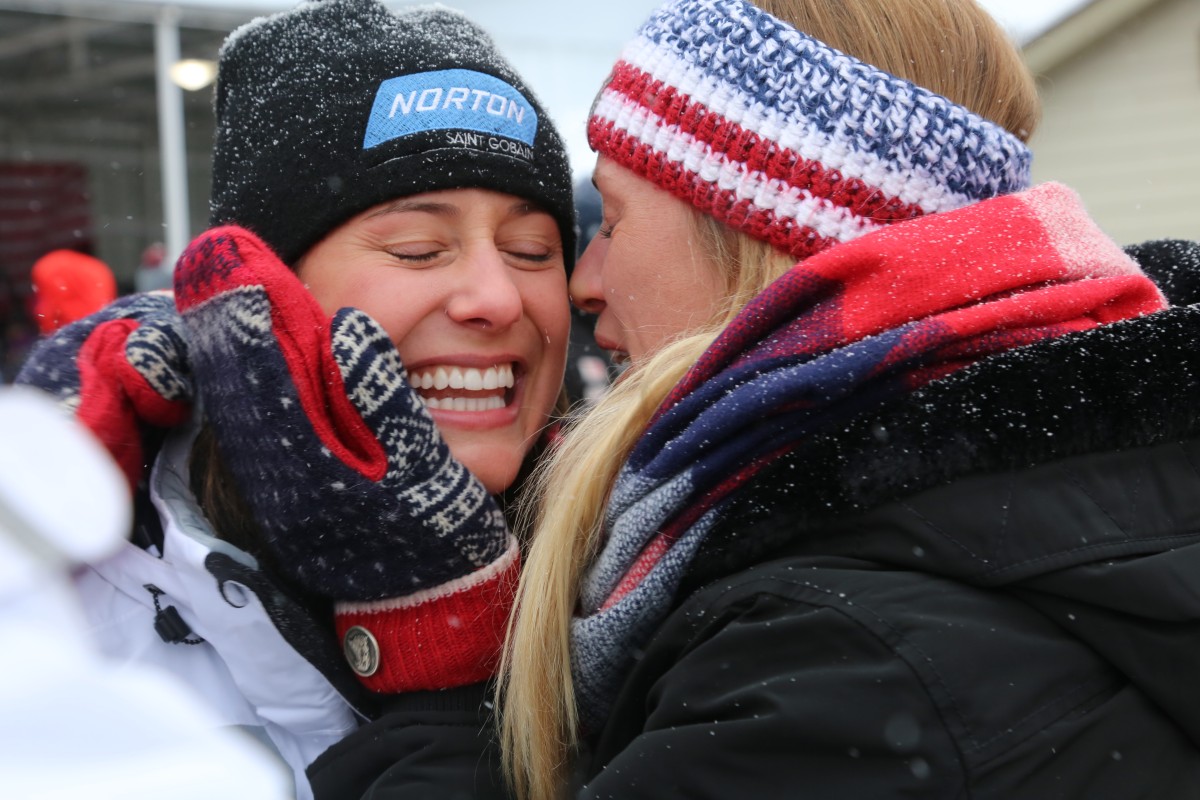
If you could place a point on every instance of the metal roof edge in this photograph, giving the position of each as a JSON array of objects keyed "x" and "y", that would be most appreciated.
[{"x": 195, "y": 15}]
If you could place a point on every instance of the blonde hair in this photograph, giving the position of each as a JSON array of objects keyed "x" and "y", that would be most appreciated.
[{"x": 951, "y": 47}]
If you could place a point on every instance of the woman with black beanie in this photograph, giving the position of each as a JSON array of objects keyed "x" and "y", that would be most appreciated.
[{"x": 358, "y": 364}]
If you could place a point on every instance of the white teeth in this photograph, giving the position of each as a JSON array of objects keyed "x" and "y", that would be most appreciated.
[
  {"x": 465, "y": 403},
  {"x": 469, "y": 378}
]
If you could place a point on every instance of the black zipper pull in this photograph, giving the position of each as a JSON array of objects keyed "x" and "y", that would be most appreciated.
[{"x": 168, "y": 623}]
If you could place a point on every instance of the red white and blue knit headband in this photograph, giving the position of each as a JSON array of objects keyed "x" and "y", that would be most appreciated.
[{"x": 780, "y": 136}]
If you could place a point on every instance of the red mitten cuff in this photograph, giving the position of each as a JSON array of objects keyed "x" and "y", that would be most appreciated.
[
  {"x": 116, "y": 397},
  {"x": 439, "y": 638}
]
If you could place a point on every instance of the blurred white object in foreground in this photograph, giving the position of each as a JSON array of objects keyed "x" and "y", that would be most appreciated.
[{"x": 71, "y": 724}]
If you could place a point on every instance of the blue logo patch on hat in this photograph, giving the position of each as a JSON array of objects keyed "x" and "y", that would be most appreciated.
[{"x": 449, "y": 99}]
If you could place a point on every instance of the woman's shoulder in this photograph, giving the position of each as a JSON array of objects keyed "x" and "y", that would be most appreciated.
[
  {"x": 876, "y": 678},
  {"x": 1084, "y": 413},
  {"x": 909, "y": 613}
]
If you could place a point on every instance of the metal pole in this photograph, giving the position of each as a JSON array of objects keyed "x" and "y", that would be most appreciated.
[{"x": 171, "y": 135}]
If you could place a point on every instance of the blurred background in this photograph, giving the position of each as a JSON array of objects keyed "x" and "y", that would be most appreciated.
[{"x": 106, "y": 117}]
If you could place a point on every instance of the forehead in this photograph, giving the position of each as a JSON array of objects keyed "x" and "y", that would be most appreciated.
[
  {"x": 456, "y": 204},
  {"x": 606, "y": 172},
  {"x": 464, "y": 198},
  {"x": 611, "y": 177}
]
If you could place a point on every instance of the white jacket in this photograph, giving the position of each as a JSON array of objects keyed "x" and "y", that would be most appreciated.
[
  {"x": 244, "y": 670},
  {"x": 72, "y": 723}
]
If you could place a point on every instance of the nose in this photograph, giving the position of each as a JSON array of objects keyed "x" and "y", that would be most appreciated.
[
  {"x": 586, "y": 291},
  {"x": 485, "y": 297}
]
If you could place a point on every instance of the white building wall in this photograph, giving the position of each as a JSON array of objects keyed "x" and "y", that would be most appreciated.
[{"x": 1121, "y": 125}]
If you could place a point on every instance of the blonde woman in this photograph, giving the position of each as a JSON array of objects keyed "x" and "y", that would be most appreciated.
[{"x": 899, "y": 495}]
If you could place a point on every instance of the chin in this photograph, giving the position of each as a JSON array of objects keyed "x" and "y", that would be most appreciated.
[{"x": 495, "y": 465}]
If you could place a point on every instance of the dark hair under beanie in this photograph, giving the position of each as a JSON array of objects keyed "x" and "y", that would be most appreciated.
[{"x": 335, "y": 106}]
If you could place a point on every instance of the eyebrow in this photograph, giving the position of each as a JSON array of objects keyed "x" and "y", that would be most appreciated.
[
  {"x": 406, "y": 205},
  {"x": 520, "y": 208}
]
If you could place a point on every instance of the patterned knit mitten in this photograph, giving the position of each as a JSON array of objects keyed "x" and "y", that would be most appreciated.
[
  {"x": 346, "y": 475},
  {"x": 122, "y": 372}
]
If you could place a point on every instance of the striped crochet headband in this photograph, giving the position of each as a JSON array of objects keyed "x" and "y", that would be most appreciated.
[{"x": 780, "y": 136}]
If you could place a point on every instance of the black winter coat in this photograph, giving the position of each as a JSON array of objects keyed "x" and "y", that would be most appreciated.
[{"x": 987, "y": 589}]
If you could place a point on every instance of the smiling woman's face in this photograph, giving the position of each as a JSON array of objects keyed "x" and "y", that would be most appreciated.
[
  {"x": 643, "y": 273},
  {"x": 470, "y": 286}
]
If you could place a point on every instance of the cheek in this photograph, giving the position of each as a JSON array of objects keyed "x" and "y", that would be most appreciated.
[
  {"x": 618, "y": 279},
  {"x": 391, "y": 297},
  {"x": 546, "y": 303},
  {"x": 548, "y": 308},
  {"x": 331, "y": 291}
]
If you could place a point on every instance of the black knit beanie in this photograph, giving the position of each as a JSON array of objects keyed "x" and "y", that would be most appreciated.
[{"x": 335, "y": 106}]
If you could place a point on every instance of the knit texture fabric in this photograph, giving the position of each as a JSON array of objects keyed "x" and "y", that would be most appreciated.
[
  {"x": 446, "y": 636},
  {"x": 344, "y": 470},
  {"x": 121, "y": 372},
  {"x": 356, "y": 494},
  {"x": 782, "y": 137},
  {"x": 841, "y": 333},
  {"x": 333, "y": 107}
]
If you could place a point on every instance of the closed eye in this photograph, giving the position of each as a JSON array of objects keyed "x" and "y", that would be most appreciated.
[
  {"x": 421, "y": 257},
  {"x": 530, "y": 253},
  {"x": 537, "y": 258}
]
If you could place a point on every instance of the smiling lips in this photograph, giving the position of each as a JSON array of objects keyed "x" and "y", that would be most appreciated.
[{"x": 453, "y": 388}]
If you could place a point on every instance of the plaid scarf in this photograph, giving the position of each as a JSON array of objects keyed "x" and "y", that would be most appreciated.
[{"x": 840, "y": 333}]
